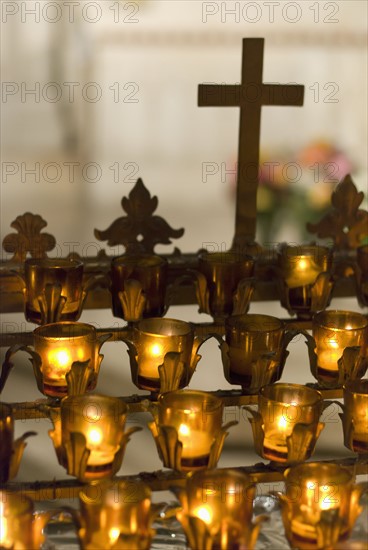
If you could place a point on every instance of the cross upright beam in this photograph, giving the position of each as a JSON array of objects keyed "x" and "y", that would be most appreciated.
[{"x": 250, "y": 96}]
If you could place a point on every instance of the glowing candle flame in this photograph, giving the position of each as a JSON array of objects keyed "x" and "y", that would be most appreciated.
[
  {"x": 325, "y": 502},
  {"x": 282, "y": 423},
  {"x": 61, "y": 357},
  {"x": 114, "y": 533},
  {"x": 94, "y": 437},
  {"x": 184, "y": 430},
  {"x": 302, "y": 264},
  {"x": 60, "y": 361},
  {"x": 333, "y": 343},
  {"x": 204, "y": 514},
  {"x": 156, "y": 350}
]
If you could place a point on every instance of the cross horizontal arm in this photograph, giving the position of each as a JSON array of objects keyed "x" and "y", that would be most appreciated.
[
  {"x": 234, "y": 95},
  {"x": 283, "y": 94},
  {"x": 219, "y": 95}
]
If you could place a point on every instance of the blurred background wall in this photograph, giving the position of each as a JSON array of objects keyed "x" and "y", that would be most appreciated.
[
  {"x": 115, "y": 92},
  {"x": 97, "y": 94}
]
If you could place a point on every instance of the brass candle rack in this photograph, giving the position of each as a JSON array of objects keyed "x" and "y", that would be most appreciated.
[
  {"x": 234, "y": 333},
  {"x": 142, "y": 284}
]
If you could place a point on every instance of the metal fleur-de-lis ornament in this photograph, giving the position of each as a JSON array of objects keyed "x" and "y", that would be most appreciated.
[
  {"x": 139, "y": 223},
  {"x": 345, "y": 223},
  {"x": 28, "y": 238}
]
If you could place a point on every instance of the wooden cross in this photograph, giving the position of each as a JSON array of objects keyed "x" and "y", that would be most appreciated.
[{"x": 250, "y": 96}]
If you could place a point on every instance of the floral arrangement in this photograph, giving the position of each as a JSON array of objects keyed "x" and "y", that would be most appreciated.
[{"x": 296, "y": 188}]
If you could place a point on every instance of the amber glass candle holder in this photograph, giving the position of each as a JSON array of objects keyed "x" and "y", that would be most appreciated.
[
  {"x": 217, "y": 510},
  {"x": 304, "y": 278},
  {"x": 341, "y": 339},
  {"x": 227, "y": 286},
  {"x": 362, "y": 275},
  {"x": 89, "y": 436},
  {"x": 254, "y": 352},
  {"x": 355, "y": 416},
  {"x": 53, "y": 290},
  {"x": 138, "y": 286},
  {"x": 286, "y": 426},
  {"x": 188, "y": 429},
  {"x": 6, "y": 437},
  {"x": 163, "y": 354},
  {"x": 11, "y": 451},
  {"x": 20, "y": 527},
  {"x": 320, "y": 506},
  {"x": 70, "y": 357},
  {"x": 116, "y": 514}
]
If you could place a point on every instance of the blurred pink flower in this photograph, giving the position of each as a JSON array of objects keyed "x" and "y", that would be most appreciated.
[{"x": 339, "y": 166}]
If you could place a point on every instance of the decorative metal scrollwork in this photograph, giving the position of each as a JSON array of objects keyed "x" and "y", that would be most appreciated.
[
  {"x": 29, "y": 238},
  {"x": 140, "y": 230},
  {"x": 345, "y": 223}
]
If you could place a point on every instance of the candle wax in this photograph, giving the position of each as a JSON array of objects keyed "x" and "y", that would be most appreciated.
[
  {"x": 196, "y": 443},
  {"x": 101, "y": 453},
  {"x": 275, "y": 439},
  {"x": 305, "y": 272},
  {"x": 328, "y": 359},
  {"x": 332, "y": 342},
  {"x": 317, "y": 498},
  {"x": 59, "y": 362},
  {"x": 151, "y": 357},
  {"x": 303, "y": 529}
]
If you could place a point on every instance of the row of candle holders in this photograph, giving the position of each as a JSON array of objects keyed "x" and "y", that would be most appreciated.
[
  {"x": 54, "y": 289},
  {"x": 319, "y": 509},
  {"x": 89, "y": 434},
  {"x": 321, "y": 501},
  {"x": 164, "y": 352}
]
